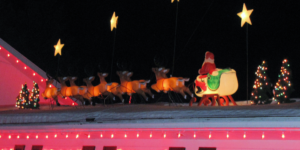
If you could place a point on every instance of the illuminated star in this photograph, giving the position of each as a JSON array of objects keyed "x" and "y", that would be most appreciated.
[
  {"x": 245, "y": 15},
  {"x": 113, "y": 21},
  {"x": 173, "y": 1},
  {"x": 58, "y": 48}
]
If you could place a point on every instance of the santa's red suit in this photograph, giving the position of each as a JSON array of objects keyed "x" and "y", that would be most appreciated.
[{"x": 208, "y": 66}]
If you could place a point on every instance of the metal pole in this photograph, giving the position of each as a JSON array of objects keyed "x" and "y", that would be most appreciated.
[
  {"x": 112, "y": 59},
  {"x": 247, "y": 57},
  {"x": 175, "y": 39}
]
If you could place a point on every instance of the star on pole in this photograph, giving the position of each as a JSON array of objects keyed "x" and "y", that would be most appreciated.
[
  {"x": 172, "y": 1},
  {"x": 58, "y": 48},
  {"x": 245, "y": 15},
  {"x": 113, "y": 21}
]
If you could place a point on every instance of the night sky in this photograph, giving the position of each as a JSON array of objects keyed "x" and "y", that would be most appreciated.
[{"x": 146, "y": 29}]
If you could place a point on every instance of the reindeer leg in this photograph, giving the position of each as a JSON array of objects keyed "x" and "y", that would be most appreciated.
[
  {"x": 187, "y": 90},
  {"x": 182, "y": 93},
  {"x": 143, "y": 95},
  {"x": 57, "y": 103},
  {"x": 148, "y": 91},
  {"x": 121, "y": 98}
]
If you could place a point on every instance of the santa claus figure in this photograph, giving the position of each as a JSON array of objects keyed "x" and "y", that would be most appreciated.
[{"x": 208, "y": 65}]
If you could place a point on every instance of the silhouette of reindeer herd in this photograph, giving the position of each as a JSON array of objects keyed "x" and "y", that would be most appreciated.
[{"x": 111, "y": 90}]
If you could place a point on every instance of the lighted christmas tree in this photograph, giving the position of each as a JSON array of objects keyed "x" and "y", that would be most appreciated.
[
  {"x": 261, "y": 89},
  {"x": 23, "y": 98},
  {"x": 35, "y": 96},
  {"x": 283, "y": 87}
]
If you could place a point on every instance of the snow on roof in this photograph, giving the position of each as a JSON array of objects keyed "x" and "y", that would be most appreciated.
[{"x": 154, "y": 115}]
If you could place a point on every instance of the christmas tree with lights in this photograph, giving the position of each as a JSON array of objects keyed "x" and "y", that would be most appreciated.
[
  {"x": 283, "y": 87},
  {"x": 261, "y": 89},
  {"x": 35, "y": 96},
  {"x": 23, "y": 98}
]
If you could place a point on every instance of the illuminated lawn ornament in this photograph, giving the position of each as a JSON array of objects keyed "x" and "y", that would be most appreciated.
[
  {"x": 228, "y": 83},
  {"x": 245, "y": 15},
  {"x": 65, "y": 91},
  {"x": 136, "y": 86},
  {"x": 215, "y": 83},
  {"x": 113, "y": 21},
  {"x": 165, "y": 84},
  {"x": 104, "y": 88},
  {"x": 58, "y": 48},
  {"x": 172, "y": 1},
  {"x": 50, "y": 91}
]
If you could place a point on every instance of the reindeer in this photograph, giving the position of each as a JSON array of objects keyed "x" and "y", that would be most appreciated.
[
  {"x": 165, "y": 84},
  {"x": 91, "y": 90},
  {"x": 109, "y": 89},
  {"x": 65, "y": 90},
  {"x": 50, "y": 91},
  {"x": 138, "y": 86},
  {"x": 78, "y": 92}
]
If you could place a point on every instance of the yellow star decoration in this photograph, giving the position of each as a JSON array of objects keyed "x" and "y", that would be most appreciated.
[
  {"x": 58, "y": 48},
  {"x": 245, "y": 15},
  {"x": 113, "y": 21},
  {"x": 172, "y": 1}
]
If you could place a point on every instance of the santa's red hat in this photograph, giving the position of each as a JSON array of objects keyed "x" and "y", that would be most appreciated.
[{"x": 210, "y": 55}]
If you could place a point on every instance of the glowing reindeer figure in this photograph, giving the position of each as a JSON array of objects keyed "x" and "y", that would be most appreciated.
[
  {"x": 109, "y": 89},
  {"x": 165, "y": 84},
  {"x": 137, "y": 86},
  {"x": 65, "y": 91},
  {"x": 91, "y": 90},
  {"x": 50, "y": 91},
  {"x": 78, "y": 92}
]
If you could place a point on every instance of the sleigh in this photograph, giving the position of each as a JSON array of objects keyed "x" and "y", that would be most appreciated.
[{"x": 222, "y": 83}]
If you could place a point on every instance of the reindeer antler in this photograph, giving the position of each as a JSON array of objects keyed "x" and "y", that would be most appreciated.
[
  {"x": 160, "y": 61},
  {"x": 89, "y": 70}
]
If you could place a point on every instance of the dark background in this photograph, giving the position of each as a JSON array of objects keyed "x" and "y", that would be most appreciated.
[{"x": 146, "y": 29}]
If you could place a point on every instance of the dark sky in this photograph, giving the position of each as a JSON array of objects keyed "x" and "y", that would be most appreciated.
[{"x": 146, "y": 29}]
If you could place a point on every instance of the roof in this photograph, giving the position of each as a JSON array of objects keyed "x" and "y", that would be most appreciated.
[
  {"x": 156, "y": 115},
  {"x": 16, "y": 70}
]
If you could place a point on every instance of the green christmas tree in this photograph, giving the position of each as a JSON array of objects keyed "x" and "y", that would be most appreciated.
[
  {"x": 23, "y": 98},
  {"x": 35, "y": 97},
  {"x": 261, "y": 89},
  {"x": 283, "y": 87}
]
